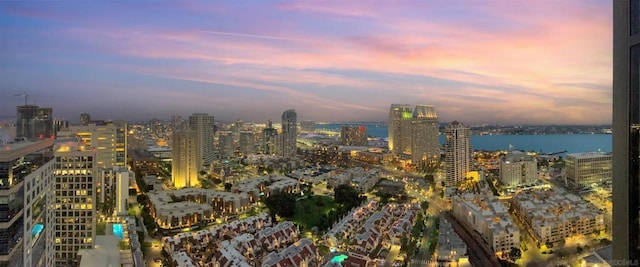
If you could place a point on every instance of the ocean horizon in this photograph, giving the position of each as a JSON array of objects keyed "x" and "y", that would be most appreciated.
[{"x": 542, "y": 143}]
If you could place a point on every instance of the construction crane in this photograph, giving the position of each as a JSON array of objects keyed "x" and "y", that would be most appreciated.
[{"x": 26, "y": 97}]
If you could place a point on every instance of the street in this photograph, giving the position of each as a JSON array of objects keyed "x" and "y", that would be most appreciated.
[{"x": 479, "y": 253}]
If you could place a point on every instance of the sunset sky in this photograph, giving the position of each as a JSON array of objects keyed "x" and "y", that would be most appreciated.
[{"x": 500, "y": 61}]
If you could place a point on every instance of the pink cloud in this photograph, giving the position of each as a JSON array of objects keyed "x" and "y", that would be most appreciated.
[{"x": 537, "y": 51}]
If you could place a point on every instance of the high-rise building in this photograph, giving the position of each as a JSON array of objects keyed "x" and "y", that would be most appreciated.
[
  {"x": 202, "y": 125},
  {"x": 74, "y": 200},
  {"x": 399, "y": 125},
  {"x": 85, "y": 119},
  {"x": 425, "y": 146},
  {"x": 225, "y": 144},
  {"x": 289, "y": 136},
  {"x": 269, "y": 139},
  {"x": 518, "y": 168},
  {"x": 184, "y": 168},
  {"x": 236, "y": 128},
  {"x": 457, "y": 153},
  {"x": 34, "y": 122},
  {"x": 626, "y": 132},
  {"x": 26, "y": 222},
  {"x": 246, "y": 145},
  {"x": 353, "y": 136},
  {"x": 109, "y": 139}
]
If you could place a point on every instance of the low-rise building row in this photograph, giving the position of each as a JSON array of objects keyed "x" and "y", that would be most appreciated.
[
  {"x": 451, "y": 250},
  {"x": 190, "y": 206},
  {"x": 552, "y": 215},
  {"x": 485, "y": 214},
  {"x": 243, "y": 243}
]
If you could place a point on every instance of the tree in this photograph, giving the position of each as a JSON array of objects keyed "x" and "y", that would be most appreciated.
[
  {"x": 281, "y": 204},
  {"x": 429, "y": 178},
  {"x": 515, "y": 254},
  {"x": 142, "y": 199},
  {"x": 346, "y": 195}
]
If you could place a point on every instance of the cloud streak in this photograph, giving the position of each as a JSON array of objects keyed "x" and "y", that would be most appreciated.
[{"x": 499, "y": 62}]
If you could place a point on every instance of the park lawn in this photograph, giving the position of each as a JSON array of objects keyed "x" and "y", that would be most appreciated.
[{"x": 309, "y": 211}]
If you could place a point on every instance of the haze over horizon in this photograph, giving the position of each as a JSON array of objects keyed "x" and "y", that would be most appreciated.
[{"x": 497, "y": 62}]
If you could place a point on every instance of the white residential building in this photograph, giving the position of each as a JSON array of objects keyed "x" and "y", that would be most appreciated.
[
  {"x": 553, "y": 215},
  {"x": 485, "y": 214}
]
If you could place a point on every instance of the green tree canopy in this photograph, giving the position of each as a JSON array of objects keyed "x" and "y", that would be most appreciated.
[{"x": 281, "y": 204}]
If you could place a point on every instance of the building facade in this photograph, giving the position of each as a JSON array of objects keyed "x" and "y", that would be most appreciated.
[
  {"x": 587, "y": 169},
  {"x": 225, "y": 144},
  {"x": 26, "y": 174},
  {"x": 108, "y": 138},
  {"x": 626, "y": 133},
  {"x": 399, "y": 125},
  {"x": 425, "y": 146},
  {"x": 247, "y": 144},
  {"x": 269, "y": 139},
  {"x": 485, "y": 214},
  {"x": 184, "y": 165},
  {"x": 554, "y": 215},
  {"x": 457, "y": 153},
  {"x": 202, "y": 124},
  {"x": 353, "y": 136},
  {"x": 517, "y": 168},
  {"x": 289, "y": 136},
  {"x": 34, "y": 122},
  {"x": 74, "y": 200}
]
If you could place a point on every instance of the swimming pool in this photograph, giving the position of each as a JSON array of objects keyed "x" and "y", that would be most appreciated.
[
  {"x": 37, "y": 228},
  {"x": 118, "y": 230}
]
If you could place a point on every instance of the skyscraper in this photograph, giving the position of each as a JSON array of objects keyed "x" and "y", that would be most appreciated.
[
  {"x": 425, "y": 146},
  {"x": 457, "y": 153},
  {"x": 34, "y": 122},
  {"x": 184, "y": 168},
  {"x": 399, "y": 125},
  {"x": 246, "y": 145},
  {"x": 202, "y": 125},
  {"x": 26, "y": 177},
  {"x": 626, "y": 130},
  {"x": 289, "y": 137},
  {"x": 74, "y": 200},
  {"x": 225, "y": 144},
  {"x": 269, "y": 137}
]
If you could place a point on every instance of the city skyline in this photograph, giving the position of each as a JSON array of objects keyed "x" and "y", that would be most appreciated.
[{"x": 496, "y": 62}]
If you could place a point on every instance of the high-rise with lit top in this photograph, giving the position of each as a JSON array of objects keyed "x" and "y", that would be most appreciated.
[
  {"x": 399, "y": 125},
  {"x": 425, "y": 147}
]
